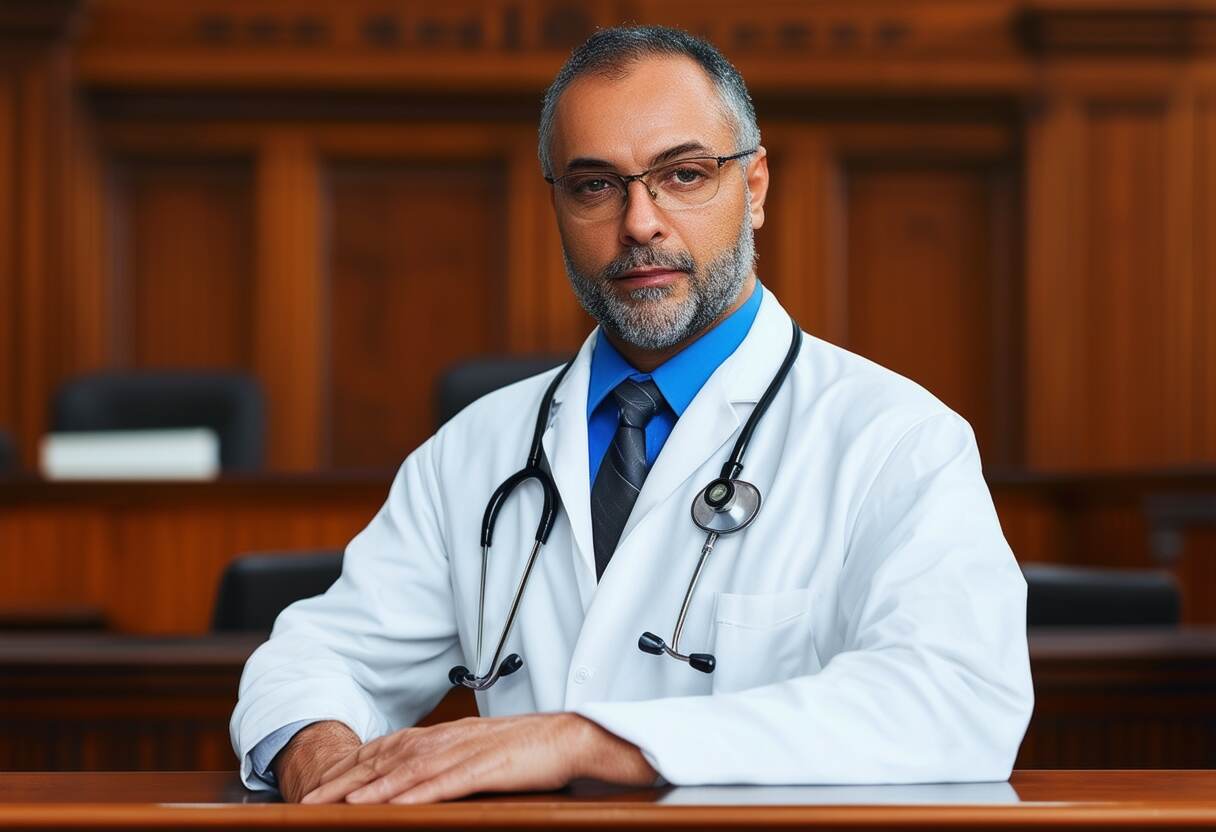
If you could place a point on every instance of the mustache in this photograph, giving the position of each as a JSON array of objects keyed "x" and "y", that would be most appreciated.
[{"x": 641, "y": 257}]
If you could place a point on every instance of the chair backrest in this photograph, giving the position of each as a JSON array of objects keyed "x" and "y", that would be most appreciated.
[
  {"x": 1073, "y": 596},
  {"x": 255, "y": 588},
  {"x": 464, "y": 383},
  {"x": 231, "y": 404}
]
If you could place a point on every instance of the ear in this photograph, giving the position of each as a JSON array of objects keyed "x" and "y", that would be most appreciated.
[{"x": 757, "y": 183}]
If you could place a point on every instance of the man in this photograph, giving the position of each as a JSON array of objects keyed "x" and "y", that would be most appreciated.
[{"x": 867, "y": 626}]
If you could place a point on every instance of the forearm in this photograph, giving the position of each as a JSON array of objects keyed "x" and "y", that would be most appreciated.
[{"x": 870, "y": 719}]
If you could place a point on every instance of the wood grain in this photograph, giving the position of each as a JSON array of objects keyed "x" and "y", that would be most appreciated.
[
  {"x": 1079, "y": 335},
  {"x": 410, "y": 295},
  {"x": 185, "y": 227},
  {"x": 1104, "y": 699}
]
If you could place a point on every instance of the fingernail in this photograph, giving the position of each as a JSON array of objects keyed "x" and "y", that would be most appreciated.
[{"x": 357, "y": 796}]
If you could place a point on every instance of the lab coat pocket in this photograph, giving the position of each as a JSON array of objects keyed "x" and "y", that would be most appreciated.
[{"x": 760, "y": 639}]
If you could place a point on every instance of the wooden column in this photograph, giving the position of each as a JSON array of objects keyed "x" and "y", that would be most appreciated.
[
  {"x": 290, "y": 340},
  {"x": 35, "y": 125}
]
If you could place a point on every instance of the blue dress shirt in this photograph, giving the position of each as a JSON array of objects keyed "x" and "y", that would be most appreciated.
[{"x": 679, "y": 379}]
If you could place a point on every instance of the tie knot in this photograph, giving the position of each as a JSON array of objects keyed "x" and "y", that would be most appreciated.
[{"x": 638, "y": 402}]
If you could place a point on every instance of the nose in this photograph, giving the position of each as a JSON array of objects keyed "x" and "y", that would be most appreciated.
[{"x": 643, "y": 222}]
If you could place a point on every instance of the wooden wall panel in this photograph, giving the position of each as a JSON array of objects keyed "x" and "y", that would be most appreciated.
[
  {"x": 9, "y": 362},
  {"x": 1132, "y": 312},
  {"x": 418, "y": 282},
  {"x": 919, "y": 282},
  {"x": 1112, "y": 365},
  {"x": 185, "y": 262},
  {"x": 1205, "y": 276},
  {"x": 289, "y": 320}
]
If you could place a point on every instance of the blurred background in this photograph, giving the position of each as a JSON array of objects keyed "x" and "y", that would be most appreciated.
[{"x": 293, "y": 222}]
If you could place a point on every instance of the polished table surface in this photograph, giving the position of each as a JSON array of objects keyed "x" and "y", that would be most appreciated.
[{"x": 1031, "y": 799}]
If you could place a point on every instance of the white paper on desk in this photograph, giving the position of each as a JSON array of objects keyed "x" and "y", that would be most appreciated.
[
  {"x": 938, "y": 794},
  {"x": 177, "y": 454}
]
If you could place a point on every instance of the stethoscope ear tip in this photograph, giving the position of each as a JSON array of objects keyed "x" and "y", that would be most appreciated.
[
  {"x": 704, "y": 662},
  {"x": 650, "y": 643},
  {"x": 510, "y": 664},
  {"x": 457, "y": 675}
]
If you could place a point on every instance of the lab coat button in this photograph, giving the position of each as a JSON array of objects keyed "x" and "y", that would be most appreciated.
[{"x": 582, "y": 675}]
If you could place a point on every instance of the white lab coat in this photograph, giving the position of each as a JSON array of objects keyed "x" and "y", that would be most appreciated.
[{"x": 869, "y": 626}]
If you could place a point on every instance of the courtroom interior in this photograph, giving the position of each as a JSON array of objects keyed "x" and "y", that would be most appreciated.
[{"x": 253, "y": 253}]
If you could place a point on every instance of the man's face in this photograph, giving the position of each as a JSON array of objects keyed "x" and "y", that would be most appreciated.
[{"x": 655, "y": 276}]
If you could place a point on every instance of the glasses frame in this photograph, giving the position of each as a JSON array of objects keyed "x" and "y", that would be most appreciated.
[{"x": 626, "y": 179}]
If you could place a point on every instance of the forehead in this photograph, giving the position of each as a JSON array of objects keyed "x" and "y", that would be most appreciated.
[{"x": 660, "y": 103}]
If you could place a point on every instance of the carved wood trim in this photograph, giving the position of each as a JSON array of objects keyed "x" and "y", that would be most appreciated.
[{"x": 1154, "y": 30}]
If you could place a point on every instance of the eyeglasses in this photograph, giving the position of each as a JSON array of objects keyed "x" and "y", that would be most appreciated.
[{"x": 602, "y": 194}]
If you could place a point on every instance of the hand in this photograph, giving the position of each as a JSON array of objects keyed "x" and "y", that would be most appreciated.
[
  {"x": 309, "y": 754},
  {"x": 442, "y": 762}
]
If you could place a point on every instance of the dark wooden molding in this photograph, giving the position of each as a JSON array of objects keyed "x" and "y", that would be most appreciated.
[
  {"x": 39, "y": 21},
  {"x": 1154, "y": 30}
]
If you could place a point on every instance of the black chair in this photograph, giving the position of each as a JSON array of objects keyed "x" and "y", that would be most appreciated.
[
  {"x": 255, "y": 588},
  {"x": 231, "y": 404},
  {"x": 1073, "y": 596},
  {"x": 8, "y": 454},
  {"x": 466, "y": 382}
]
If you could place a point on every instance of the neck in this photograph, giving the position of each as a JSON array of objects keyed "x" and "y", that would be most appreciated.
[{"x": 647, "y": 360}]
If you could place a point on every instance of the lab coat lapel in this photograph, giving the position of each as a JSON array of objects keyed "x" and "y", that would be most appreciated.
[
  {"x": 565, "y": 444},
  {"x": 716, "y": 413}
]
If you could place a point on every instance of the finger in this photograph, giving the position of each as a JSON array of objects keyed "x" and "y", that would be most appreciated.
[
  {"x": 490, "y": 772},
  {"x": 413, "y": 770},
  {"x": 338, "y": 787},
  {"x": 395, "y": 754}
]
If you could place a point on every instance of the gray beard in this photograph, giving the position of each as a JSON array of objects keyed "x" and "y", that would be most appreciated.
[{"x": 647, "y": 322}]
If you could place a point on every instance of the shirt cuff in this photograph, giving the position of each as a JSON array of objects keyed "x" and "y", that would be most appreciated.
[{"x": 263, "y": 754}]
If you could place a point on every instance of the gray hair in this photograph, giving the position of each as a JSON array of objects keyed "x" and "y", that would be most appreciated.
[{"x": 611, "y": 52}]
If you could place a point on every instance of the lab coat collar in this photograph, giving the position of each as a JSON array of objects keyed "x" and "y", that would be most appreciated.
[
  {"x": 565, "y": 444},
  {"x": 711, "y": 419}
]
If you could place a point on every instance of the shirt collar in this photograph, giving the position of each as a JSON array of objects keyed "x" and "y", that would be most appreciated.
[{"x": 682, "y": 376}]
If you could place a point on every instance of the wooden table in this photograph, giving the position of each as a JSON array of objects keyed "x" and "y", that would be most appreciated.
[{"x": 1031, "y": 800}]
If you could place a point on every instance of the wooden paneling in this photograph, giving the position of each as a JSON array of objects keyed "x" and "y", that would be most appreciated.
[
  {"x": 920, "y": 251},
  {"x": 1106, "y": 699},
  {"x": 1204, "y": 333},
  {"x": 149, "y": 555},
  {"x": 184, "y": 257},
  {"x": 1113, "y": 352},
  {"x": 1091, "y": 127},
  {"x": 290, "y": 332},
  {"x": 9, "y": 362},
  {"x": 418, "y": 282}
]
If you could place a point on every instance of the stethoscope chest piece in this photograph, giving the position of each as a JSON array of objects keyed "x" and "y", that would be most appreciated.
[{"x": 725, "y": 506}]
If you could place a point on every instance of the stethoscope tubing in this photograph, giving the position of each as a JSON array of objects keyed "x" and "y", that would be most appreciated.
[{"x": 533, "y": 470}]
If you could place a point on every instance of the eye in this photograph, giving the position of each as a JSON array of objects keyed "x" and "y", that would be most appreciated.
[
  {"x": 687, "y": 176},
  {"x": 591, "y": 185}
]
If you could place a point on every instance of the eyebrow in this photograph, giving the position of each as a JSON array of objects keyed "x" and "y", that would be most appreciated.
[{"x": 658, "y": 159}]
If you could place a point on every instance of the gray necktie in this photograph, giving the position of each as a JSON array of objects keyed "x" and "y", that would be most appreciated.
[{"x": 623, "y": 469}]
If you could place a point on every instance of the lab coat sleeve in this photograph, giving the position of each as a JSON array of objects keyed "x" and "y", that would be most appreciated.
[
  {"x": 374, "y": 651},
  {"x": 933, "y": 681}
]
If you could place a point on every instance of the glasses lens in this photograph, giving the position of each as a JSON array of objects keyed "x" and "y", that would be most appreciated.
[
  {"x": 598, "y": 195},
  {"x": 592, "y": 194},
  {"x": 685, "y": 182}
]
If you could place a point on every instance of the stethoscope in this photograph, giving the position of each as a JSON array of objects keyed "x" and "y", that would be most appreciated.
[{"x": 727, "y": 505}]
